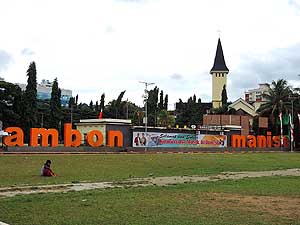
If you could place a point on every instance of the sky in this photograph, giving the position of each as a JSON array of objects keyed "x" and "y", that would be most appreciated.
[{"x": 108, "y": 46}]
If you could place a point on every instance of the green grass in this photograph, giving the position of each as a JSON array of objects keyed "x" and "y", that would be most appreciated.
[
  {"x": 25, "y": 169},
  {"x": 179, "y": 204}
]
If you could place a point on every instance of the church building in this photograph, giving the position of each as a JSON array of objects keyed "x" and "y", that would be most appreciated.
[{"x": 219, "y": 73}]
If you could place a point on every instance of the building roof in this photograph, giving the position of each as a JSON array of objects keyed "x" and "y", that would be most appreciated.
[
  {"x": 219, "y": 64},
  {"x": 241, "y": 104},
  {"x": 103, "y": 121}
]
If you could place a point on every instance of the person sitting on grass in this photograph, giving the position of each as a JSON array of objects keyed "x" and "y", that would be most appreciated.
[{"x": 46, "y": 171}]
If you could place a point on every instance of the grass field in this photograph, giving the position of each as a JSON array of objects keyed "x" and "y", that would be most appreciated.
[
  {"x": 268, "y": 200},
  {"x": 25, "y": 169}
]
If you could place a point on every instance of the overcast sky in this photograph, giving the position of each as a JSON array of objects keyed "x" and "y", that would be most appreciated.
[{"x": 96, "y": 46}]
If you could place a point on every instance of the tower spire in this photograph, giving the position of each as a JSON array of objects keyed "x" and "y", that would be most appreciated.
[
  {"x": 219, "y": 73},
  {"x": 219, "y": 63}
]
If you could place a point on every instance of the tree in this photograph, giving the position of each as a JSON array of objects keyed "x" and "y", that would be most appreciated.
[
  {"x": 71, "y": 102},
  {"x": 115, "y": 108},
  {"x": 91, "y": 105},
  {"x": 11, "y": 104},
  {"x": 161, "y": 100},
  {"x": 102, "y": 102},
  {"x": 277, "y": 101},
  {"x": 194, "y": 98},
  {"x": 30, "y": 100},
  {"x": 166, "y": 102},
  {"x": 76, "y": 100},
  {"x": 224, "y": 96},
  {"x": 97, "y": 106},
  {"x": 152, "y": 106},
  {"x": 165, "y": 120},
  {"x": 118, "y": 104},
  {"x": 55, "y": 106},
  {"x": 189, "y": 113}
]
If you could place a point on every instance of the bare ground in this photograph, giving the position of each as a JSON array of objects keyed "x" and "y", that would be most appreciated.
[
  {"x": 269, "y": 206},
  {"x": 142, "y": 182}
]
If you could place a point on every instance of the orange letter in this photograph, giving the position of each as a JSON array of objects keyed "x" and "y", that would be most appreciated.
[
  {"x": 16, "y": 138},
  {"x": 90, "y": 138},
  {"x": 44, "y": 134},
  {"x": 276, "y": 141},
  {"x": 112, "y": 135},
  {"x": 72, "y": 138},
  {"x": 286, "y": 141},
  {"x": 238, "y": 141},
  {"x": 251, "y": 141},
  {"x": 261, "y": 141},
  {"x": 269, "y": 139}
]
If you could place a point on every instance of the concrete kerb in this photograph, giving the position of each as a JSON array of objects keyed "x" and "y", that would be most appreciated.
[
  {"x": 130, "y": 150},
  {"x": 1, "y": 223}
]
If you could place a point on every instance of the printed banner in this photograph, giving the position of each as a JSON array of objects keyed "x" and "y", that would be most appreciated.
[{"x": 155, "y": 139}]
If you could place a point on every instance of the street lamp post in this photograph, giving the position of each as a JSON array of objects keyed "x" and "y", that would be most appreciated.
[
  {"x": 292, "y": 126},
  {"x": 146, "y": 105}
]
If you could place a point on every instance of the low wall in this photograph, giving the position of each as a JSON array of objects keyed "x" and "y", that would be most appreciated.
[{"x": 86, "y": 149}]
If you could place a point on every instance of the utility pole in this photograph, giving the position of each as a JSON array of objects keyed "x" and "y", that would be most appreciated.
[
  {"x": 292, "y": 127},
  {"x": 146, "y": 103},
  {"x": 127, "y": 108}
]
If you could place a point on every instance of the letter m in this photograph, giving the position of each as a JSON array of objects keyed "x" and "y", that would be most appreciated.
[
  {"x": 44, "y": 135},
  {"x": 238, "y": 141}
]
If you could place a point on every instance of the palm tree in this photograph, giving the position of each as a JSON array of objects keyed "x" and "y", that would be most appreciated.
[{"x": 278, "y": 100}]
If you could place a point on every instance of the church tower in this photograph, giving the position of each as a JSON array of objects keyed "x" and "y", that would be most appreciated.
[{"x": 219, "y": 73}]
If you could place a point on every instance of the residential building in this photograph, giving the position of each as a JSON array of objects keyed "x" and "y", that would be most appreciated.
[{"x": 256, "y": 96}]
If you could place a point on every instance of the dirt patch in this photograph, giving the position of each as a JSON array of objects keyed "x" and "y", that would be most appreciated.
[
  {"x": 142, "y": 182},
  {"x": 276, "y": 206}
]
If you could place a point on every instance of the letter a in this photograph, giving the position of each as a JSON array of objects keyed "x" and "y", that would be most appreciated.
[
  {"x": 251, "y": 141},
  {"x": 17, "y": 137}
]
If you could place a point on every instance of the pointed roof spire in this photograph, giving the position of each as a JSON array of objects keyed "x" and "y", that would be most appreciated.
[{"x": 219, "y": 64}]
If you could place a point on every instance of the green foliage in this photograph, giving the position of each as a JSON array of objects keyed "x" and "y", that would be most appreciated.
[
  {"x": 224, "y": 96},
  {"x": 91, "y": 105},
  {"x": 166, "y": 102},
  {"x": 71, "y": 102},
  {"x": 115, "y": 108},
  {"x": 102, "y": 102},
  {"x": 97, "y": 106},
  {"x": 278, "y": 100},
  {"x": 152, "y": 106},
  {"x": 165, "y": 119},
  {"x": 30, "y": 98},
  {"x": 11, "y": 104},
  {"x": 161, "y": 100},
  {"x": 155, "y": 107},
  {"x": 55, "y": 106},
  {"x": 189, "y": 113},
  {"x": 76, "y": 100},
  {"x": 222, "y": 110}
]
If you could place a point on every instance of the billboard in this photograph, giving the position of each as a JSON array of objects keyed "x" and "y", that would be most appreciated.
[{"x": 156, "y": 139}]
